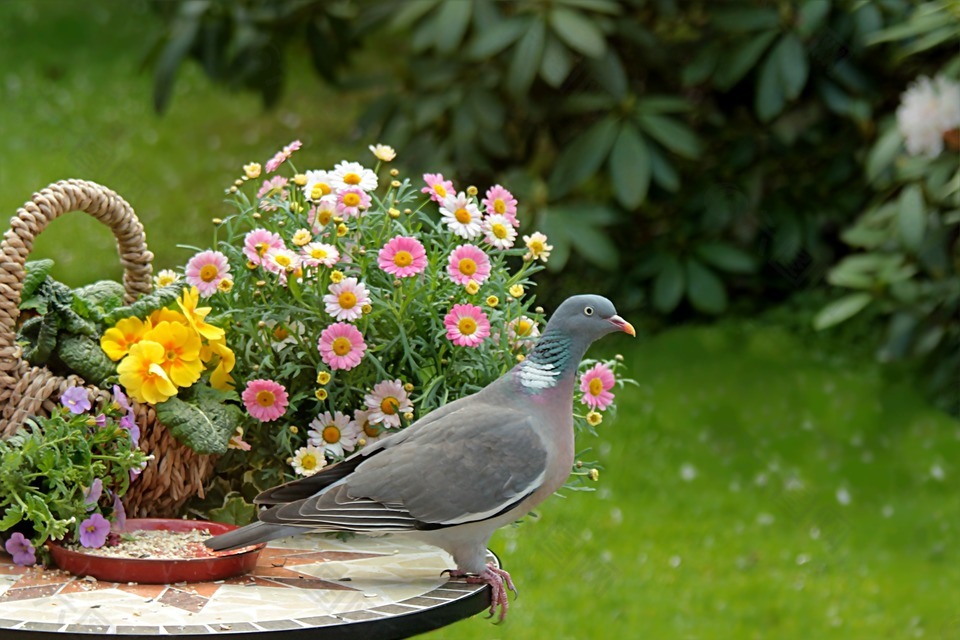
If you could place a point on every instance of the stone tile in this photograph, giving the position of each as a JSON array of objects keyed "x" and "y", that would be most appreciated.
[
  {"x": 185, "y": 629},
  {"x": 137, "y": 630},
  {"x": 361, "y": 615},
  {"x": 182, "y": 600},
  {"x": 29, "y": 593},
  {"x": 395, "y": 609},
  {"x": 146, "y": 591},
  {"x": 319, "y": 621},
  {"x": 42, "y": 626}
]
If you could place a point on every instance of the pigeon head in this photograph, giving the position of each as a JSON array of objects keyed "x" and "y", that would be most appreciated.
[{"x": 588, "y": 318}]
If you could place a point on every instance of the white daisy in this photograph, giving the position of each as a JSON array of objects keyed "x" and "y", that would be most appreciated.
[
  {"x": 346, "y": 298},
  {"x": 319, "y": 184},
  {"x": 498, "y": 231},
  {"x": 348, "y": 175},
  {"x": 281, "y": 261},
  {"x": 319, "y": 253},
  {"x": 369, "y": 433},
  {"x": 461, "y": 216},
  {"x": 383, "y": 152},
  {"x": 308, "y": 460},
  {"x": 334, "y": 433},
  {"x": 323, "y": 213},
  {"x": 522, "y": 332},
  {"x": 927, "y": 110}
]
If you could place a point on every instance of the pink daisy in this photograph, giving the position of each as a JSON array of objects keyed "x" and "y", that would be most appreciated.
[
  {"x": 467, "y": 263},
  {"x": 437, "y": 187},
  {"x": 341, "y": 346},
  {"x": 595, "y": 385},
  {"x": 265, "y": 400},
  {"x": 498, "y": 231},
  {"x": 282, "y": 261},
  {"x": 281, "y": 156},
  {"x": 346, "y": 298},
  {"x": 403, "y": 257},
  {"x": 386, "y": 403},
  {"x": 352, "y": 201},
  {"x": 272, "y": 188},
  {"x": 319, "y": 253},
  {"x": 206, "y": 270},
  {"x": 501, "y": 202},
  {"x": 467, "y": 325},
  {"x": 258, "y": 242}
]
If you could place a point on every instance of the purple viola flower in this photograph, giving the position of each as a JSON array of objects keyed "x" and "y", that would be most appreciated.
[
  {"x": 75, "y": 399},
  {"x": 93, "y": 531},
  {"x": 92, "y": 495},
  {"x": 119, "y": 513},
  {"x": 121, "y": 398},
  {"x": 101, "y": 420},
  {"x": 129, "y": 423},
  {"x": 21, "y": 549}
]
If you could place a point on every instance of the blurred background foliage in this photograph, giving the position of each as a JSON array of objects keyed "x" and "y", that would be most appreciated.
[{"x": 701, "y": 156}]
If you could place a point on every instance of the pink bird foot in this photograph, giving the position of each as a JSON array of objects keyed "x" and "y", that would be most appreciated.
[{"x": 499, "y": 581}]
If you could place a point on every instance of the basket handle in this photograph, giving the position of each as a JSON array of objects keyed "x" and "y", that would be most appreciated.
[{"x": 31, "y": 219}]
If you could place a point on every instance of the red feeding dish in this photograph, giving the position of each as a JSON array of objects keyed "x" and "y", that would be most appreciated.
[{"x": 197, "y": 564}]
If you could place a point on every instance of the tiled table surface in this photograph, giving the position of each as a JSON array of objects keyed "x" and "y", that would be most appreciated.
[{"x": 308, "y": 586}]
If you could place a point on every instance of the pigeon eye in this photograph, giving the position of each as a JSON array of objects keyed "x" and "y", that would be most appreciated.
[{"x": 588, "y": 311}]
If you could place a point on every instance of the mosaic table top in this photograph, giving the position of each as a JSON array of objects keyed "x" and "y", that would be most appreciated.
[{"x": 308, "y": 586}]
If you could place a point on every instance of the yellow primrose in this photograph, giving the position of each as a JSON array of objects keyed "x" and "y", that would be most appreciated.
[
  {"x": 181, "y": 347},
  {"x": 220, "y": 377},
  {"x": 142, "y": 374},
  {"x": 196, "y": 316},
  {"x": 167, "y": 315},
  {"x": 116, "y": 341}
]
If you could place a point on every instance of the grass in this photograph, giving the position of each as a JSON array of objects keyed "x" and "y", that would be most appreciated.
[
  {"x": 76, "y": 104},
  {"x": 756, "y": 485}
]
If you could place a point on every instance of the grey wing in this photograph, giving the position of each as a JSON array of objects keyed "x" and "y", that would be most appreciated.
[{"x": 472, "y": 464}]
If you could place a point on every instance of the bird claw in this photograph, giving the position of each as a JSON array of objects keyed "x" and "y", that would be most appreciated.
[{"x": 499, "y": 581}]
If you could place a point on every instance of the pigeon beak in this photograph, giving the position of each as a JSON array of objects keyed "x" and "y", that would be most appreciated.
[{"x": 622, "y": 325}]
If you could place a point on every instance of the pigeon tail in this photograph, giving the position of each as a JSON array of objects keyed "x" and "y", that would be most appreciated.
[{"x": 251, "y": 534}]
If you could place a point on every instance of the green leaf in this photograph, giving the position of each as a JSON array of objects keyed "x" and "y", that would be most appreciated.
[
  {"x": 583, "y": 157},
  {"x": 673, "y": 135},
  {"x": 769, "y": 100},
  {"x": 204, "y": 424},
  {"x": 630, "y": 167},
  {"x": 492, "y": 41},
  {"x": 726, "y": 257},
  {"x": 911, "y": 216},
  {"x": 739, "y": 61},
  {"x": 811, "y": 16},
  {"x": 35, "y": 272},
  {"x": 792, "y": 61},
  {"x": 451, "y": 23},
  {"x": 659, "y": 104},
  {"x": 841, "y": 310},
  {"x": 749, "y": 19},
  {"x": 12, "y": 516},
  {"x": 526, "y": 58},
  {"x": 184, "y": 34},
  {"x": 609, "y": 73},
  {"x": 668, "y": 286},
  {"x": 705, "y": 290},
  {"x": 579, "y": 32},
  {"x": 411, "y": 11},
  {"x": 662, "y": 171},
  {"x": 700, "y": 68},
  {"x": 556, "y": 63},
  {"x": 235, "y": 510},
  {"x": 883, "y": 152}
]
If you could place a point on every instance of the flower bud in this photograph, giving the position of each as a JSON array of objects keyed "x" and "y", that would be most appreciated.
[
  {"x": 238, "y": 183},
  {"x": 594, "y": 474},
  {"x": 261, "y": 283},
  {"x": 579, "y": 464},
  {"x": 394, "y": 172},
  {"x": 408, "y": 387},
  {"x": 492, "y": 301},
  {"x": 408, "y": 416},
  {"x": 323, "y": 377},
  {"x": 218, "y": 221},
  {"x": 341, "y": 230},
  {"x": 366, "y": 308},
  {"x": 471, "y": 190},
  {"x": 395, "y": 184},
  {"x": 539, "y": 309},
  {"x": 232, "y": 189},
  {"x": 294, "y": 429},
  {"x": 472, "y": 287},
  {"x": 408, "y": 211},
  {"x": 255, "y": 215},
  {"x": 321, "y": 394},
  {"x": 252, "y": 170},
  {"x": 393, "y": 213},
  {"x": 300, "y": 180},
  {"x": 336, "y": 276},
  {"x": 521, "y": 357}
]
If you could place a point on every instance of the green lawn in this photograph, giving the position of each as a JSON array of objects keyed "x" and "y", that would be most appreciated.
[{"x": 755, "y": 486}]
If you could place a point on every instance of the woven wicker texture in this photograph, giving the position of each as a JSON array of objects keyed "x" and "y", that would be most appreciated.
[{"x": 176, "y": 473}]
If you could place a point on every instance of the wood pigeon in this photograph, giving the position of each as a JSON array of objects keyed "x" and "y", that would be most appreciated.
[{"x": 462, "y": 471}]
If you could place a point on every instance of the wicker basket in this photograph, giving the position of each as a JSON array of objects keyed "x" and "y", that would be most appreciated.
[{"x": 176, "y": 473}]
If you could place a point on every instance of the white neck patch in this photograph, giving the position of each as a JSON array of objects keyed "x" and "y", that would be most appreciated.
[{"x": 536, "y": 376}]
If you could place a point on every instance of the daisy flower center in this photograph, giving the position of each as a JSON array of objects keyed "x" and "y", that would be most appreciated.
[
  {"x": 319, "y": 190},
  {"x": 370, "y": 431},
  {"x": 308, "y": 461},
  {"x": 341, "y": 346},
  {"x": 536, "y": 246},
  {"x": 467, "y": 326},
  {"x": 262, "y": 248},
  {"x": 351, "y": 178},
  {"x": 331, "y": 434},
  {"x": 463, "y": 216},
  {"x": 208, "y": 273},
  {"x": 318, "y": 254},
  {"x": 523, "y": 327},
  {"x": 266, "y": 398},
  {"x": 403, "y": 259},
  {"x": 467, "y": 266},
  {"x": 596, "y": 386},
  {"x": 389, "y": 406},
  {"x": 280, "y": 333},
  {"x": 347, "y": 300},
  {"x": 283, "y": 260},
  {"x": 164, "y": 280},
  {"x": 499, "y": 205},
  {"x": 351, "y": 199},
  {"x": 499, "y": 231},
  {"x": 439, "y": 190},
  {"x": 324, "y": 217}
]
